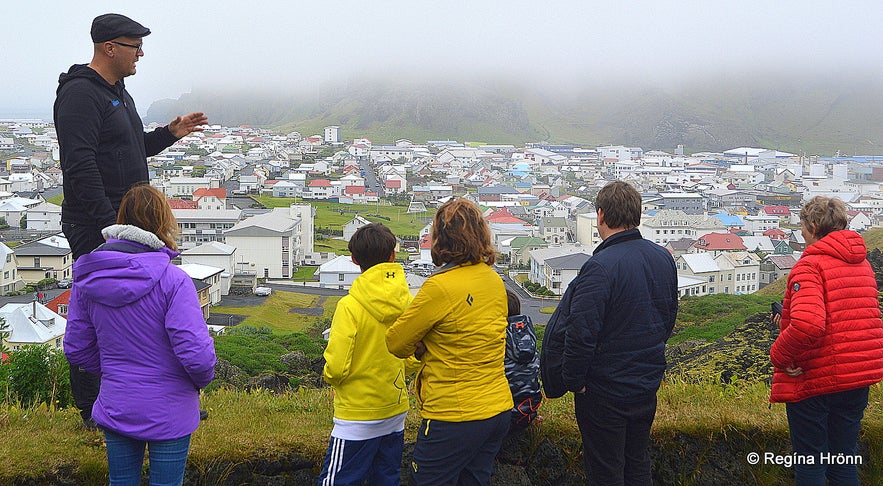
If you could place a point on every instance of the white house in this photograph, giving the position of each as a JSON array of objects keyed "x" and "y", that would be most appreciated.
[
  {"x": 538, "y": 259},
  {"x": 32, "y": 323},
  {"x": 14, "y": 209},
  {"x": 44, "y": 217},
  {"x": 288, "y": 188},
  {"x": 10, "y": 280},
  {"x": 350, "y": 227},
  {"x": 268, "y": 245},
  {"x": 692, "y": 286},
  {"x": 213, "y": 254},
  {"x": 211, "y": 199},
  {"x": 209, "y": 275},
  {"x": 23, "y": 182},
  {"x": 560, "y": 271},
  {"x": 332, "y": 134},
  {"x": 338, "y": 273},
  {"x": 858, "y": 220},
  {"x": 197, "y": 226},
  {"x": 186, "y": 186}
]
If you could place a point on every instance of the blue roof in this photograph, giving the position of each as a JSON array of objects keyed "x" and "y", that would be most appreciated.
[
  {"x": 729, "y": 220},
  {"x": 857, "y": 158}
]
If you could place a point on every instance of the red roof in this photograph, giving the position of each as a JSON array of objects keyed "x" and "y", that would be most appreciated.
[
  {"x": 503, "y": 216},
  {"x": 320, "y": 183},
  {"x": 425, "y": 242},
  {"x": 776, "y": 234},
  {"x": 720, "y": 241},
  {"x": 354, "y": 190},
  {"x": 777, "y": 210},
  {"x": 393, "y": 184},
  {"x": 218, "y": 192},
  {"x": 64, "y": 299},
  {"x": 181, "y": 204}
]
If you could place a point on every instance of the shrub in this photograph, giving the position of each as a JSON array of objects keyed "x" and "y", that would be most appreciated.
[{"x": 38, "y": 374}]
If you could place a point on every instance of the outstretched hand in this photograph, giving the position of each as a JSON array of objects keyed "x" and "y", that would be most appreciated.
[{"x": 186, "y": 124}]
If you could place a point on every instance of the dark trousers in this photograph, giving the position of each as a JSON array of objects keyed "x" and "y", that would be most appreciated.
[
  {"x": 352, "y": 462},
  {"x": 458, "y": 453},
  {"x": 84, "y": 385},
  {"x": 82, "y": 238},
  {"x": 827, "y": 424},
  {"x": 84, "y": 388},
  {"x": 616, "y": 439}
]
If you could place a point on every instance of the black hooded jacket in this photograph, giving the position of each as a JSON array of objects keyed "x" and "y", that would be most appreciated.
[{"x": 103, "y": 146}]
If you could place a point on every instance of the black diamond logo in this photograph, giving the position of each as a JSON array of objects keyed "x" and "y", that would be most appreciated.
[{"x": 469, "y": 299}]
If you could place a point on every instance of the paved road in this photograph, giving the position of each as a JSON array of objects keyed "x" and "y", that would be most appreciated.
[
  {"x": 371, "y": 178},
  {"x": 530, "y": 306}
]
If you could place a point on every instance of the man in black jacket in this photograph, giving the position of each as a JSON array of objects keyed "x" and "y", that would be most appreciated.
[
  {"x": 104, "y": 148},
  {"x": 616, "y": 317}
]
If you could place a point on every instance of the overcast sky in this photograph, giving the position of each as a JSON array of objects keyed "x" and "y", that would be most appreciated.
[{"x": 291, "y": 42}]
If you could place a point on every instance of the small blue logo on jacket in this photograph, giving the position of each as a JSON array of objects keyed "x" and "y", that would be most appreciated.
[{"x": 115, "y": 102}]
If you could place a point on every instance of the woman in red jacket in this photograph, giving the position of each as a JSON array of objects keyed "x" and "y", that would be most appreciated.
[{"x": 830, "y": 349}]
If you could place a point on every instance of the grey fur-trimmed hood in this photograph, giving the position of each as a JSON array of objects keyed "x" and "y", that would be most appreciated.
[{"x": 132, "y": 233}]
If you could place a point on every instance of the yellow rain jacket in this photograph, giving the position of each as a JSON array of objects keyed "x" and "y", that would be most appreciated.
[
  {"x": 368, "y": 381},
  {"x": 460, "y": 315}
]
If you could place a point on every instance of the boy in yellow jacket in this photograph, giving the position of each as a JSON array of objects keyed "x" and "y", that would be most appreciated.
[{"x": 370, "y": 399}]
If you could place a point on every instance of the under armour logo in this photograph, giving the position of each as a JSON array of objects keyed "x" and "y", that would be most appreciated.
[
  {"x": 519, "y": 325},
  {"x": 469, "y": 299},
  {"x": 390, "y": 275}
]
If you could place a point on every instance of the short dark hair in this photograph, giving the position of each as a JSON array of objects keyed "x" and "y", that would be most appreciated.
[
  {"x": 372, "y": 244},
  {"x": 514, "y": 303},
  {"x": 621, "y": 204}
]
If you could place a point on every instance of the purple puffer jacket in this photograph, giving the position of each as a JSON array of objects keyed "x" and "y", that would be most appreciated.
[{"x": 134, "y": 319}]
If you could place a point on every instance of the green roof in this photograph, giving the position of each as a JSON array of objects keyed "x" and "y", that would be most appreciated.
[{"x": 522, "y": 241}]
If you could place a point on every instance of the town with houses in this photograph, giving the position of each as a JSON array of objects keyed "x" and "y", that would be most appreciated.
[{"x": 729, "y": 219}]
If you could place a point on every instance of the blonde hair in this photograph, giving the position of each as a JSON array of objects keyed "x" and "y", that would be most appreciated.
[
  {"x": 147, "y": 208},
  {"x": 822, "y": 215},
  {"x": 461, "y": 235}
]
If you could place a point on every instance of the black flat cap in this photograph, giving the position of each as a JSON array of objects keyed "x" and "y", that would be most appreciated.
[{"x": 110, "y": 26}]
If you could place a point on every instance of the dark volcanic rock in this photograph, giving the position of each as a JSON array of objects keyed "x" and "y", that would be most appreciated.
[{"x": 740, "y": 356}]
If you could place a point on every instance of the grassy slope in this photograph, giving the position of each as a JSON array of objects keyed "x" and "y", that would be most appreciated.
[
  {"x": 334, "y": 215},
  {"x": 275, "y": 313},
  {"x": 246, "y": 426}
]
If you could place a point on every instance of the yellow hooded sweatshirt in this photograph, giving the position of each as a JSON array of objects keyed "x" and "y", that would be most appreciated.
[
  {"x": 368, "y": 381},
  {"x": 460, "y": 315}
]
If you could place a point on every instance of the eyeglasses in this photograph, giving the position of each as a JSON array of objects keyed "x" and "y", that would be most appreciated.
[{"x": 137, "y": 47}]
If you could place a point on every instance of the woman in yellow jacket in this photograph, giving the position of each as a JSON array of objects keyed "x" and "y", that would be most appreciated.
[{"x": 457, "y": 325}]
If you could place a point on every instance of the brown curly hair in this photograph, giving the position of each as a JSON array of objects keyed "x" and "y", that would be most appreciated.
[
  {"x": 461, "y": 235},
  {"x": 822, "y": 215},
  {"x": 147, "y": 208}
]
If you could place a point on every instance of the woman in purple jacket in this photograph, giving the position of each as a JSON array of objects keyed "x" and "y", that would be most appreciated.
[{"x": 135, "y": 320}]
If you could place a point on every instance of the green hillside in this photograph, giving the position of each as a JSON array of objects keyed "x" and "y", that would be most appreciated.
[{"x": 808, "y": 114}]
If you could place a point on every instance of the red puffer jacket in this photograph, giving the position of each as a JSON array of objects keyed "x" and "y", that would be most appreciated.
[{"x": 831, "y": 326}]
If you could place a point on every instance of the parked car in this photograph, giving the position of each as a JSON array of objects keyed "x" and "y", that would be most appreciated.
[
  {"x": 263, "y": 291},
  {"x": 65, "y": 283}
]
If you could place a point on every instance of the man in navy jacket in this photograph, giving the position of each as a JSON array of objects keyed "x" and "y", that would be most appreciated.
[
  {"x": 104, "y": 148},
  {"x": 620, "y": 311}
]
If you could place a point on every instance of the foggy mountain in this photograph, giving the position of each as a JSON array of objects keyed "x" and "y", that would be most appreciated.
[{"x": 811, "y": 114}]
